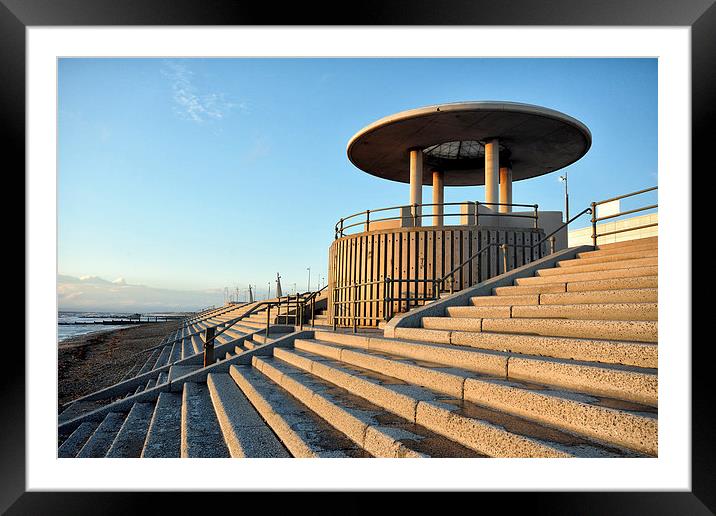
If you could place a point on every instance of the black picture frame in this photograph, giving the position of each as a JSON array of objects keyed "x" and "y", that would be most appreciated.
[{"x": 17, "y": 15}]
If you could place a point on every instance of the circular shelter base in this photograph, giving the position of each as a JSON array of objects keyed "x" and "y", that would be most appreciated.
[{"x": 374, "y": 274}]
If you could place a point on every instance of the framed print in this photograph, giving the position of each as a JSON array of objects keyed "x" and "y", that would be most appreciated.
[{"x": 276, "y": 235}]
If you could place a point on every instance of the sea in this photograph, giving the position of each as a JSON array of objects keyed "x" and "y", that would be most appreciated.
[{"x": 73, "y": 329}]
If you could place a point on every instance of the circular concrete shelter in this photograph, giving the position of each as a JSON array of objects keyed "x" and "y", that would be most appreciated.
[{"x": 469, "y": 143}]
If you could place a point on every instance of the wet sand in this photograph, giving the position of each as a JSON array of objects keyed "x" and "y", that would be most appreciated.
[{"x": 90, "y": 362}]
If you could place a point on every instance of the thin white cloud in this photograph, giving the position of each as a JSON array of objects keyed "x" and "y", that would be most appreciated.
[
  {"x": 192, "y": 104},
  {"x": 91, "y": 293}
]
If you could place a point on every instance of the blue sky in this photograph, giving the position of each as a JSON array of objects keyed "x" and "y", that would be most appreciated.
[{"x": 196, "y": 174}]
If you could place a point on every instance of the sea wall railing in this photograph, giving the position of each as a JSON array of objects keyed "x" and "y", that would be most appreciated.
[
  {"x": 298, "y": 307},
  {"x": 596, "y": 219},
  {"x": 413, "y": 213}
]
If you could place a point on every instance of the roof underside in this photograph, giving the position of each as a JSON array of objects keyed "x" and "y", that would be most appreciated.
[{"x": 533, "y": 139}]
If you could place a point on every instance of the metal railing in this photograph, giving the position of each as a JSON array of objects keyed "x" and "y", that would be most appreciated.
[
  {"x": 363, "y": 218},
  {"x": 299, "y": 301},
  {"x": 595, "y": 219},
  {"x": 347, "y": 309}
]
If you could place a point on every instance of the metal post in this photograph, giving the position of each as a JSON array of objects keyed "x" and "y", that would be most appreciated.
[
  {"x": 504, "y": 257},
  {"x": 477, "y": 211},
  {"x": 335, "y": 305},
  {"x": 313, "y": 311},
  {"x": 536, "y": 217},
  {"x": 367, "y": 220},
  {"x": 552, "y": 240},
  {"x": 268, "y": 318},
  {"x": 392, "y": 297},
  {"x": 355, "y": 308},
  {"x": 594, "y": 224},
  {"x": 209, "y": 346},
  {"x": 299, "y": 309}
]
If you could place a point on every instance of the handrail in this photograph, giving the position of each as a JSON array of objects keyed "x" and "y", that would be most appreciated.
[
  {"x": 595, "y": 219},
  {"x": 303, "y": 297},
  {"x": 340, "y": 227},
  {"x": 505, "y": 244}
]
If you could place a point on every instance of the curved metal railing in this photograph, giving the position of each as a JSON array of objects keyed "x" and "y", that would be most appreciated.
[{"x": 363, "y": 219}]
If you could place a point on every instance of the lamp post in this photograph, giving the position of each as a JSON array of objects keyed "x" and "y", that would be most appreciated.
[
  {"x": 566, "y": 197},
  {"x": 309, "y": 279}
]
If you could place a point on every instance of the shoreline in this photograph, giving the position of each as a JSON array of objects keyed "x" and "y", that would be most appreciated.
[
  {"x": 62, "y": 342},
  {"x": 92, "y": 361}
]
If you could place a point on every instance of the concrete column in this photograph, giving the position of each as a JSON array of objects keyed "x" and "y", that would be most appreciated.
[
  {"x": 416, "y": 183},
  {"x": 492, "y": 174},
  {"x": 438, "y": 197},
  {"x": 505, "y": 189}
]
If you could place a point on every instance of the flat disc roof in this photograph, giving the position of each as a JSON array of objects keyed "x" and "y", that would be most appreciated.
[{"x": 535, "y": 140}]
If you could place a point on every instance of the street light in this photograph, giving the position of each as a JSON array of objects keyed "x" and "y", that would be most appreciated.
[
  {"x": 566, "y": 197},
  {"x": 309, "y": 279}
]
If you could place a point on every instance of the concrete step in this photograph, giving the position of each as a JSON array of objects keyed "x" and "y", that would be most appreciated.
[
  {"x": 77, "y": 409},
  {"x": 588, "y": 416},
  {"x": 637, "y": 242},
  {"x": 164, "y": 433},
  {"x": 186, "y": 348},
  {"x": 483, "y": 430},
  {"x": 638, "y": 354},
  {"x": 591, "y": 311},
  {"x": 240, "y": 348},
  {"x": 600, "y": 266},
  {"x": 163, "y": 378},
  {"x": 255, "y": 325},
  {"x": 163, "y": 358},
  {"x": 631, "y": 295},
  {"x": 150, "y": 383},
  {"x": 200, "y": 431},
  {"x": 77, "y": 439},
  {"x": 262, "y": 339},
  {"x": 628, "y": 383},
  {"x": 523, "y": 290},
  {"x": 149, "y": 364},
  {"x": 175, "y": 354},
  {"x": 606, "y": 258},
  {"x": 99, "y": 442},
  {"x": 369, "y": 426},
  {"x": 560, "y": 297},
  {"x": 300, "y": 430},
  {"x": 525, "y": 299},
  {"x": 637, "y": 331},
  {"x": 580, "y": 286},
  {"x": 588, "y": 276},
  {"x": 244, "y": 329},
  {"x": 601, "y": 253},
  {"x": 179, "y": 371},
  {"x": 129, "y": 441},
  {"x": 250, "y": 344},
  {"x": 245, "y": 433},
  {"x": 197, "y": 344}
]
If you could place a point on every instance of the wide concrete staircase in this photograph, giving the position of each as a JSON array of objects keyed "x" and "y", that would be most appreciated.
[{"x": 562, "y": 363}]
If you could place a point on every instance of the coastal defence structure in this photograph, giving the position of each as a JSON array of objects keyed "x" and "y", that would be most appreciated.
[
  {"x": 389, "y": 259},
  {"x": 494, "y": 337}
]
